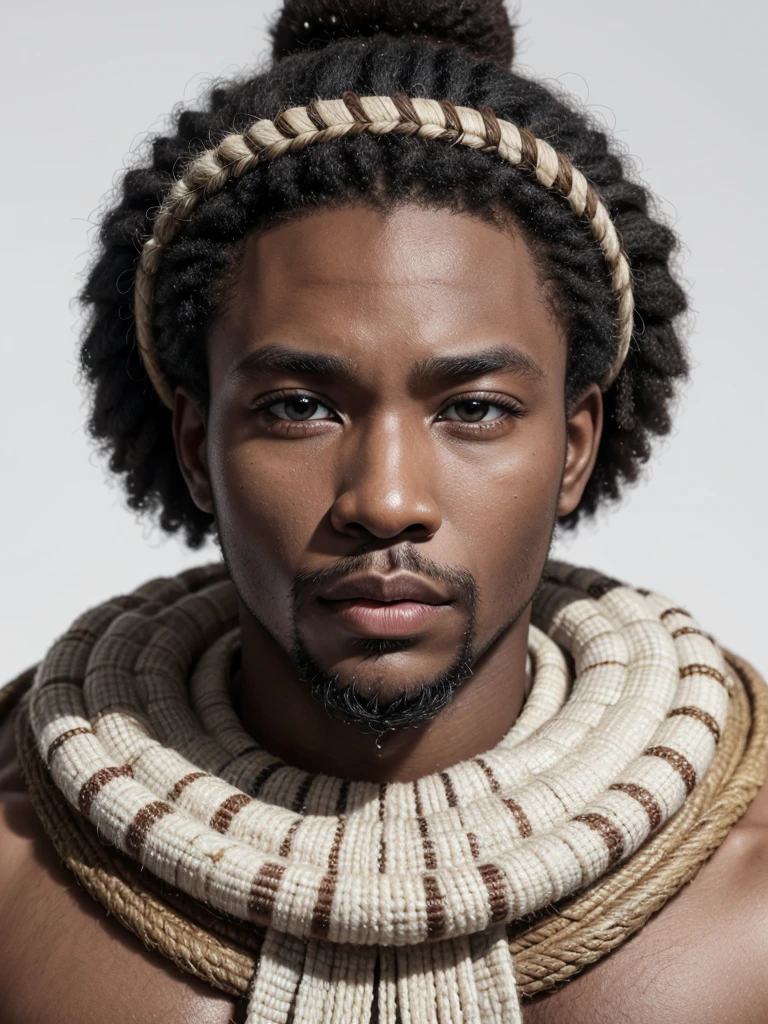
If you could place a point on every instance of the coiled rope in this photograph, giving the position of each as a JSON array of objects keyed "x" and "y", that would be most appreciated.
[{"x": 669, "y": 701}]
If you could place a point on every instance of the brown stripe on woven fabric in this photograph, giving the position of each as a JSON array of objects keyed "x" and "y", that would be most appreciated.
[
  {"x": 261, "y": 899},
  {"x": 427, "y": 845},
  {"x": 264, "y": 775},
  {"x": 224, "y": 767},
  {"x": 452, "y": 119},
  {"x": 341, "y": 801},
  {"x": 681, "y": 764},
  {"x": 674, "y": 611},
  {"x": 453, "y": 801},
  {"x": 494, "y": 882},
  {"x": 700, "y": 715},
  {"x": 605, "y": 584},
  {"x": 703, "y": 670},
  {"x": 690, "y": 631},
  {"x": 321, "y": 915},
  {"x": 644, "y": 798},
  {"x": 382, "y": 840},
  {"x": 521, "y": 818},
  {"x": 142, "y": 822},
  {"x": 181, "y": 785},
  {"x": 221, "y": 819},
  {"x": 450, "y": 792},
  {"x": 80, "y": 730},
  {"x": 610, "y": 834},
  {"x": 333, "y": 856},
  {"x": 492, "y": 129},
  {"x": 435, "y": 907},
  {"x": 602, "y": 664},
  {"x": 287, "y": 843},
  {"x": 97, "y": 782},
  {"x": 564, "y": 179},
  {"x": 299, "y": 805},
  {"x": 493, "y": 782},
  {"x": 355, "y": 107}
]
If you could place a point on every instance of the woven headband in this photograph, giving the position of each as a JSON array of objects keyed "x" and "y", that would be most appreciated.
[{"x": 325, "y": 120}]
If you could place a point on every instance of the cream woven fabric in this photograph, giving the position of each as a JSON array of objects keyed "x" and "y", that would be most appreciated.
[{"x": 394, "y": 897}]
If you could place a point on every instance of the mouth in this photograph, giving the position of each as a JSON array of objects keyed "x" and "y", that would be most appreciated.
[{"x": 386, "y": 607}]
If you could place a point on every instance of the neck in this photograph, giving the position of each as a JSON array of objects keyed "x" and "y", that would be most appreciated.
[{"x": 277, "y": 709}]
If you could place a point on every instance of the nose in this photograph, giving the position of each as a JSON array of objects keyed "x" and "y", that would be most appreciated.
[{"x": 387, "y": 489}]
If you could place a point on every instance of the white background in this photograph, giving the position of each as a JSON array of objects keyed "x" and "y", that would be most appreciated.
[{"x": 682, "y": 82}]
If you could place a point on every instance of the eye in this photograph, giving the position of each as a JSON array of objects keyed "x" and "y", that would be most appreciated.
[
  {"x": 299, "y": 409},
  {"x": 474, "y": 410}
]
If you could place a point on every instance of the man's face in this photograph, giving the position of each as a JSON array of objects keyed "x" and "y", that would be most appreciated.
[{"x": 385, "y": 440}]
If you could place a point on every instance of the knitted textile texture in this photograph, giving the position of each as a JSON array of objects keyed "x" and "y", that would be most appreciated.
[
  {"x": 326, "y": 120},
  {"x": 333, "y": 900}
]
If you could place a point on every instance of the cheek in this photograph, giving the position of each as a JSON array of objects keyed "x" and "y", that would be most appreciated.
[
  {"x": 504, "y": 510},
  {"x": 268, "y": 509}
]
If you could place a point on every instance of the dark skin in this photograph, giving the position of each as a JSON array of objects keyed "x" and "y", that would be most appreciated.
[
  {"x": 430, "y": 317},
  {"x": 389, "y": 472}
]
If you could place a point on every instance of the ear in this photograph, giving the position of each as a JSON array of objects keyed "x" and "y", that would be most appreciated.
[
  {"x": 585, "y": 426},
  {"x": 189, "y": 437}
]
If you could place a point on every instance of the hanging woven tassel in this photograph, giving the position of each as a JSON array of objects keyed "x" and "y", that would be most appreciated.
[
  {"x": 416, "y": 997},
  {"x": 495, "y": 976},
  {"x": 457, "y": 981},
  {"x": 337, "y": 984},
  {"x": 276, "y": 979},
  {"x": 386, "y": 989},
  {"x": 455, "y": 987}
]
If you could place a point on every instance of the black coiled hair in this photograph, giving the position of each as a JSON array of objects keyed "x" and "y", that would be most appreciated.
[{"x": 444, "y": 49}]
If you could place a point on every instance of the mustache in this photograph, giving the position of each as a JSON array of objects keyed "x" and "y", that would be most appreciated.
[{"x": 405, "y": 557}]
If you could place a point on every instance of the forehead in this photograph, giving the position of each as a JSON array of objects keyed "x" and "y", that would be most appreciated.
[{"x": 379, "y": 287}]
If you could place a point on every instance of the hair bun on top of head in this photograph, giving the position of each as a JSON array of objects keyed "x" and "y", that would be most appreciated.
[{"x": 482, "y": 27}]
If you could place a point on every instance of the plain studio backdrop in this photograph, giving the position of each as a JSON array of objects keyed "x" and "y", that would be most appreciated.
[{"x": 683, "y": 85}]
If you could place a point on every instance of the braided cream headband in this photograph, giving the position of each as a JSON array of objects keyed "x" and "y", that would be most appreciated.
[{"x": 325, "y": 120}]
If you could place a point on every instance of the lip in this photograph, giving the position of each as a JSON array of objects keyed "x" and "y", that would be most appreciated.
[
  {"x": 386, "y": 620},
  {"x": 394, "y": 587},
  {"x": 394, "y": 606}
]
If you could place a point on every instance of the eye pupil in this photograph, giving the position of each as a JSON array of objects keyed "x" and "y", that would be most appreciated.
[
  {"x": 301, "y": 407},
  {"x": 472, "y": 410}
]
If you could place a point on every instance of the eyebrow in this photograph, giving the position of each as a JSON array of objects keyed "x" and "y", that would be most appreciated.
[
  {"x": 433, "y": 370},
  {"x": 289, "y": 360},
  {"x": 464, "y": 367}
]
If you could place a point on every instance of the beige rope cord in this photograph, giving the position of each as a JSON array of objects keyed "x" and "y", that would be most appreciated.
[
  {"x": 561, "y": 944},
  {"x": 325, "y": 120},
  {"x": 398, "y": 896},
  {"x": 588, "y": 927}
]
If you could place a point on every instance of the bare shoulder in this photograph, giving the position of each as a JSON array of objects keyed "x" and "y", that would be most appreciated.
[
  {"x": 61, "y": 957},
  {"x": 701, "y": 958}
]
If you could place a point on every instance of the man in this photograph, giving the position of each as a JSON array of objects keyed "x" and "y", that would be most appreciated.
[{"x": 383, "y": 399}]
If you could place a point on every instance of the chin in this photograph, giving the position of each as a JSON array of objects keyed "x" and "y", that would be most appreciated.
[{"x": 385, "y": 689}]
